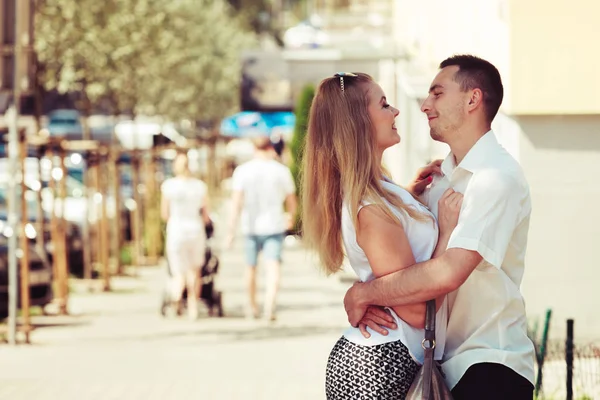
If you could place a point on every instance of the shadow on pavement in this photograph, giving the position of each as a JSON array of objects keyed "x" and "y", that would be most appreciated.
[{"x": 264, "y": 331}]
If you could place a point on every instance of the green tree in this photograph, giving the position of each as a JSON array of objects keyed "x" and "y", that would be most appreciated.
[
  {"x": 99, "y": 50},
  {"x": 199, "y": 76},
  {"x": 298, "y": 140},
  {"x": 174, "y": 59}
]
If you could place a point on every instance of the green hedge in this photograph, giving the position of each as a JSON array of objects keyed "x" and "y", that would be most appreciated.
[{"x": 297, "y": 143}]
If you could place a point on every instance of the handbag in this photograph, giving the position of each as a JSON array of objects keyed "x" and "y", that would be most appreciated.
[{"x": 429, "y": 383}]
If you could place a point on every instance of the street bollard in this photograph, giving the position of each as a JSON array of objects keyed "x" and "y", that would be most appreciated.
[
  {"x": 569, "y": 358},
  {"x": 542, "y": 352}
]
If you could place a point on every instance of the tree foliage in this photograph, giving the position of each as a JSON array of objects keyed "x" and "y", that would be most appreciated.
[
  {"x": 299, "y": 137},
  {"x": 178, "y": 59}
]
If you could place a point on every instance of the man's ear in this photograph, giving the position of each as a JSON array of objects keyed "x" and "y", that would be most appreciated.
[{"x": 476, "y": 99}]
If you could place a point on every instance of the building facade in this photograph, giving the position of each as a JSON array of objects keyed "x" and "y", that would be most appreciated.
[{"x": 548, "y": 55}]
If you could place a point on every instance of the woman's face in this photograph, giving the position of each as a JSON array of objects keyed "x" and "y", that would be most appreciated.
[{"x": 383, "y": 118}]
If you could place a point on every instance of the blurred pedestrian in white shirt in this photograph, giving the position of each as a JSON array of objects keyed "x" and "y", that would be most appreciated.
[
  {"x": 260, "y": 188},
  {"x": 184, "y": 207}
]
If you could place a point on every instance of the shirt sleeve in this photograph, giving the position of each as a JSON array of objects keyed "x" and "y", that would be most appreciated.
[
  {"x": 492, "y": 208},
  {"x": 237, "y": 183},
  {"x": 288, "y": 182}
]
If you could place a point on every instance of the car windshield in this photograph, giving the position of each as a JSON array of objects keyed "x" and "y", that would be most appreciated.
[{"x": 63, "y": 121}]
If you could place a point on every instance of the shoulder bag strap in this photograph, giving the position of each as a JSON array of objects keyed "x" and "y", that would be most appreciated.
[{"x": 428, "y": 345}]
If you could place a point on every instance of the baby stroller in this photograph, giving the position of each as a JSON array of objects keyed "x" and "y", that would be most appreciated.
[{"x": 212, "y": 297}]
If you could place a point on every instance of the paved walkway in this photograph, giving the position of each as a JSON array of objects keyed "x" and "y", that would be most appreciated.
[{"x": 116, "y": 345}]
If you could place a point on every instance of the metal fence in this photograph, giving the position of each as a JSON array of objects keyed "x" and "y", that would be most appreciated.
[{"x": 566, "y": 368}]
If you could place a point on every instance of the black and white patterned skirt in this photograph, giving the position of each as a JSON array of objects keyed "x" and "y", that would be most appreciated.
[{"x": 382, "y": 372}]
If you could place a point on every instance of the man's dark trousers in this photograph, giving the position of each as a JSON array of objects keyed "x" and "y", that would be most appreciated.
[{"x": 491, "y": 381}]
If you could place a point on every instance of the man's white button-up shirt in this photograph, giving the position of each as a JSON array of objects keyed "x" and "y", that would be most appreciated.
[{"x": 487, "y": 320}]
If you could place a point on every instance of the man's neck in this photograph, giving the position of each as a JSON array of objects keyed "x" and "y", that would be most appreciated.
[
  {"x": 263, "y": 155},
  {"x": 464, "y": 141}
]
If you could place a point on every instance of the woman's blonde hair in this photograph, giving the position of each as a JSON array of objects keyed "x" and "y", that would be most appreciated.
[{"x": 340, "y": 163}]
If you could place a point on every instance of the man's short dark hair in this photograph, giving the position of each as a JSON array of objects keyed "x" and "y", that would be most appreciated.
[
  {"x": 477, "y": 73},
  {"x": 262, "y": 143}
]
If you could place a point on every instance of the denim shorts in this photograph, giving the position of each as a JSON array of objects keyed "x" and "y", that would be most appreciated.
[{"x": 269, "y": 245}]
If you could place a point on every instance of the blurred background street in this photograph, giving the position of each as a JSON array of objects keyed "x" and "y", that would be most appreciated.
[{"x": 116, "y": 345}]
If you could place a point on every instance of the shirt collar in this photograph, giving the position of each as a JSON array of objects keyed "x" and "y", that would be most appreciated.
[{"x": 475, "y": 158}]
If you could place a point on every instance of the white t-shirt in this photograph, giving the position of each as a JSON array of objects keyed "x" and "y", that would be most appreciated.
[
  {"x": 487, "y": 321},
  {"x": 422, "y": 236},
  {"x": 186, "y": 197},
  {"x": 265, "y": 184}
]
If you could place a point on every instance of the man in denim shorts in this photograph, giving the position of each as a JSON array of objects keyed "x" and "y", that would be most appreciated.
[{"x": 260, "y": 188}]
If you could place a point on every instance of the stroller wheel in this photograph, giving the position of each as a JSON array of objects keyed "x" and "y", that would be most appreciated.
[
  {"x": 219, "y": 305},
  {"x": 164, "y": 307}
]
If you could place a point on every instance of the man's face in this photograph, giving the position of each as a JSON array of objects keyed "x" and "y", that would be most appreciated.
[{"x": 446, "y": 105}]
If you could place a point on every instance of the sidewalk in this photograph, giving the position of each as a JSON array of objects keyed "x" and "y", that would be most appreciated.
[{"x": 117, "y": 346}]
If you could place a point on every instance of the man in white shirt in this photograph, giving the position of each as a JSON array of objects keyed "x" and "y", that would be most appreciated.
[
  {"x": 488, "y": 353},
  {"x": 260, "y": 188}
]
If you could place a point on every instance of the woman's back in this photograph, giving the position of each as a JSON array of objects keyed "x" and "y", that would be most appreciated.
[{"x": 186, "y": 197}]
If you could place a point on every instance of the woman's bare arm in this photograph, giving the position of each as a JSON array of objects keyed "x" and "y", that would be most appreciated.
[
  {"x": 376, "y": 318},
  {"x": 206, "y": 210},
  {"x": 387, "y": 248},
  {"x": 164, "y": 208}
]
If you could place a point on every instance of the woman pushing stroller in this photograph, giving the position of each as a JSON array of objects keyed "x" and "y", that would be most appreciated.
[{"x": 185, "y": 208}]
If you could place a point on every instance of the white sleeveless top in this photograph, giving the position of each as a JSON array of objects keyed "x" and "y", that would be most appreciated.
[
  {"x": 422, "y": 236},
  {"x": 186, "y": 197}
]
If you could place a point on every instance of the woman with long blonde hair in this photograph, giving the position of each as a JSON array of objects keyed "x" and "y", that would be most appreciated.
[{"x": 352, "y": 209}]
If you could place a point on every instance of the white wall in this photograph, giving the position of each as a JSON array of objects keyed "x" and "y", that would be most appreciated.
[
  {"x": 561, "y": 159},
  {"x": 434, "y": 30},
  {"x": 531, "y": 43},
  {"x": 555, "y": 56}
]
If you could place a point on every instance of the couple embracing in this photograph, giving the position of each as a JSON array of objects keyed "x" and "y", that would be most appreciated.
[{"x": 456, "y": 234}]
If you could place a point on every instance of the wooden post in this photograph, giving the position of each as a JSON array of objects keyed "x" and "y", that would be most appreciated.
[
  {"x": 25, "y": 293},
  {"x": 157, "y": 238},
  {"x": 95, "y": 187},
  {"x": 55, "y": 233},
  {"x": 41, "y": 220},
  {"x": 63, "y": 266},
  {"x": 103, "y": 190},
  {"x": 53, "y": 228},
  {"x": 116, "y": 236},
  {"x": 151, "y": 214},
  {"x": 86, "y": 231},
  {"x": 211, "y": 178},
  {"x": 136, "y": 212}
]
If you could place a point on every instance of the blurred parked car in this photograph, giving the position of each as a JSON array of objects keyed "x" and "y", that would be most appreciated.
[
  {"x": 67, "y": 123},
  {"x": 64, "y": 123},
  {"x": 40, "y": 279},
  {"x": 74, "y": 239}
]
